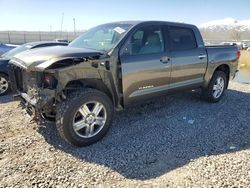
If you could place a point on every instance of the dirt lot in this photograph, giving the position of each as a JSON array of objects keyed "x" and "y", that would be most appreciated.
[{"x": 177, "y": 140}]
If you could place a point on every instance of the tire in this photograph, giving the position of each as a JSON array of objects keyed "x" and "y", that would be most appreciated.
[
  {"x": 209, "y": 92},
  {"x": 69, "y": 114},
  {"x": 4, "y": 84}
]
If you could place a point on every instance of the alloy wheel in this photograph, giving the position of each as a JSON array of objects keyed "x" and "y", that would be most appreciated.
[
  {"x": 89, "y": 119},
  {"x": 218, "y": 87},
  {"x": 3, "y": 85}
]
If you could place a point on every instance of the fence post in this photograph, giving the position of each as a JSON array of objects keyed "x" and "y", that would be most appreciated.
[
  {"x": 24, "y": 37},
  {"x": 40, "y": 38},
  {"x": 9, "y": 36}
]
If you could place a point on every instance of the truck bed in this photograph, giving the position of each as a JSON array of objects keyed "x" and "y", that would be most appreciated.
[{"x": 223, "y": 54}]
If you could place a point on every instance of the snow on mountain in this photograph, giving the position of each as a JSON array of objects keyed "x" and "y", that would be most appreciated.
[{"x": 226, "y": 24}]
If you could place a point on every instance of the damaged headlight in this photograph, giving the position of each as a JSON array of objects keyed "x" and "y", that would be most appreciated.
[{"x": 49, "y": 81}]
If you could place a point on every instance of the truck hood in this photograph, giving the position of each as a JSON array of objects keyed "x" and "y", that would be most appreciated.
[{"x": 41, "y": 58}]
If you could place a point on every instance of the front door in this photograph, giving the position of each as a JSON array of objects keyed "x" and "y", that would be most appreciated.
[{"x": 145, "y": 64}]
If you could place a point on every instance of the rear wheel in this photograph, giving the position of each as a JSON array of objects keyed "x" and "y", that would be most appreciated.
[
  {"x": 85, "y": 117},
  {"x": 216, "y": 88},
  {"x": 4, "y": 84}
]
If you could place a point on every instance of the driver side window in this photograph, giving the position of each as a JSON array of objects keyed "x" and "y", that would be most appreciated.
[{"x": 146, "y": 40}]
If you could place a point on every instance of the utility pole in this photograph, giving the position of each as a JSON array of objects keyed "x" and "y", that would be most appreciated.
[
  {"x": 62, "y": 24},
  {"x": 74, "y": 20}
]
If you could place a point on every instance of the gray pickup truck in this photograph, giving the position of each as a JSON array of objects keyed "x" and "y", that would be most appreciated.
[{"x": 113, "y": 66}]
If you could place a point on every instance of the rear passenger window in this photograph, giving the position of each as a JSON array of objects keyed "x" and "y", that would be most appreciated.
[{"x": 182, "y": 38}]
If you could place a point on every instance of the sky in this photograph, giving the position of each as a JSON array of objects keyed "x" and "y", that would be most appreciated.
[{"x": 46, "y": 15}]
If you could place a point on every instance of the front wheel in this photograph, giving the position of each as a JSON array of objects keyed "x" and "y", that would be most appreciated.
[
  {"x": 216, "y": 87},
  {"x": 85, "y": 117}
]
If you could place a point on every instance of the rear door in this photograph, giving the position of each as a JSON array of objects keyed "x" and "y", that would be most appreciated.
[
  {"x": 145, "y": 64},
  {"x": 189, "y": 60}
]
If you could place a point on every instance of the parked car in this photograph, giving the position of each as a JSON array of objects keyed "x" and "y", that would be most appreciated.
[
  {"x": 245, "y": 44},
  {"x": 62, "y": 40},
  {"x": 116, "y": 65},
  {"x": 5, "y": 48},
  {"x": 4, "y": 59}
]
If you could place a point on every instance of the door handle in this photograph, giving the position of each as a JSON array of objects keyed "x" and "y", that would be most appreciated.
[
  {"x": 202, "y": 56},
  {"x": 165, "y": 59}
]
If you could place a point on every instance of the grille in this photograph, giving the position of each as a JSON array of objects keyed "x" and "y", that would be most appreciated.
[
  {"x": 22, "y": 80},
  {"x": 18, "y": 73},
  {"x": 16, "y": 77}
]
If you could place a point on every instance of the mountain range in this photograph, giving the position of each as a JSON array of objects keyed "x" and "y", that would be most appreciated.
[
  {"x": 226, "y": 24},
  {"x": 226, "y": 29}
]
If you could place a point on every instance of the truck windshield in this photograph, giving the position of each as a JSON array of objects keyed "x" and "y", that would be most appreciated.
[{"x": 103, "y": 37}]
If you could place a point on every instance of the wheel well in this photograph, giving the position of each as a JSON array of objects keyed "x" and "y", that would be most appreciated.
[
  {"x": 224, "y": 68},
  {"x": 88, "y": 83},
  {"x": 3, "y": 73}
]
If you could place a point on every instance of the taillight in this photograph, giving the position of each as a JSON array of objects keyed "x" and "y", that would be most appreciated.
[{"x": 238, "y": 54}]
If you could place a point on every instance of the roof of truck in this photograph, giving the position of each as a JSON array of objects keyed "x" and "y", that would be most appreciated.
[{"x": 151, "y": 21}]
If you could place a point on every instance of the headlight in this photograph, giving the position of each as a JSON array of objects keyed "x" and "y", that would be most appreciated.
[{"x": 49, "y": 81}]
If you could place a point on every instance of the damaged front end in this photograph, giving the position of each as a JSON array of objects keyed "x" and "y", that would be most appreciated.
[
  {"x": 41, "y": 86},
  {"x": 30, "y": 89}
]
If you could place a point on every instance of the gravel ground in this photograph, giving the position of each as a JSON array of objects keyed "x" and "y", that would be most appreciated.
[{"x": 176, "y": 141}]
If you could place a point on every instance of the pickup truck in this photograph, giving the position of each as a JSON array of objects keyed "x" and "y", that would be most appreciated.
[{"x": 113, "y": 66}]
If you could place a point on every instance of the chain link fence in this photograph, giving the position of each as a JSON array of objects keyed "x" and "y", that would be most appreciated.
[{"x": 19, "y": 37}]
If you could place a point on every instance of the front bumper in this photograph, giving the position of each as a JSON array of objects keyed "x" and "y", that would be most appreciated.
[
  {"x": 30, "y": 109},
  {"x": 35, "y": 106}
]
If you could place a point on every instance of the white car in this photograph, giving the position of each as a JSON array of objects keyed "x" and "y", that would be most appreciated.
[{"x": 245, "y": 45}]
